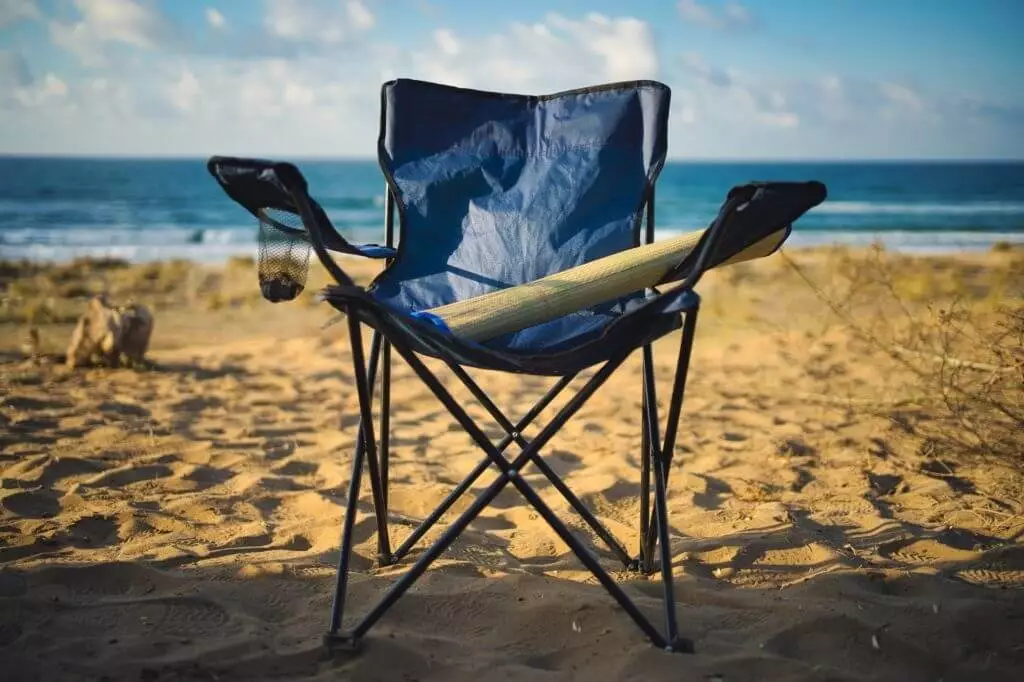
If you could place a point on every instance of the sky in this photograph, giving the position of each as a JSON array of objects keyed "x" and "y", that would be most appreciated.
[{"x": 750, "y": 79}]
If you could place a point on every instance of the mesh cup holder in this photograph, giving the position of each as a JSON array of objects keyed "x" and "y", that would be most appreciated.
[{"x": 283, "y": 255}]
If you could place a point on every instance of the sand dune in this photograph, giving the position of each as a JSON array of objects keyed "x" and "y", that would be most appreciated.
[{"x": 182, "y": 522}]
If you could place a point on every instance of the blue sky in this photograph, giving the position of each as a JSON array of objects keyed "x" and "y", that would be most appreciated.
[{"x": 772, "y": 79}]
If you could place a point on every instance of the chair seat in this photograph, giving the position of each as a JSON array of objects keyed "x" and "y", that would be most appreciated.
[
  {"x": 621, "y": 327},
  {"x": 560, "y": 335}
]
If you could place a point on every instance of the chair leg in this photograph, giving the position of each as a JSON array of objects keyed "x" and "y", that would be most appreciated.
[
  {"x": 363, "y": 384},
  {"x": 385, "y": 420},
  {"x": 675, "y": 407},
  {"x": 676, "y": 402},
  {"x": 480, "y": 468},
  {"x": 651, "y": 441},
  {"x": 645, "y": 480},
  {"x": 509, "y": 473},
  {"x": 675, "y": 643},
  {"x": 341, "y": 578},
  {"x": 515, "y": 433}
]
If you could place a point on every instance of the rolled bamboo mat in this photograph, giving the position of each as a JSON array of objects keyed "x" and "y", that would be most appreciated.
[{"x": 604, "y": 279}]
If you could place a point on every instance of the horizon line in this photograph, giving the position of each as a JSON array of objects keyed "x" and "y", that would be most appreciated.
[{"x": 373, "y": 159}]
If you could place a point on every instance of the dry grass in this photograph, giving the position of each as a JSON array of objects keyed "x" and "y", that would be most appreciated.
[
  {"x": 949, "y": 331},
  {"x": 951, "y": 336},
  {"x": 48, "y": 298}
]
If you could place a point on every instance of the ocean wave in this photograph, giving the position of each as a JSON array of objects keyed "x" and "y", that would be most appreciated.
[
  {"x": 154, "y": 236},
  {"x": 907, "y": 241},
  {"x": 200, "y": 253},
  {"x": 891, "y": 208},
  {"x": 218, "y": 244}
]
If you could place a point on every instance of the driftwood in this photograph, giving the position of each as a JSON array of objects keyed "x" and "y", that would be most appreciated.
[{"x": 110, "y": 332}]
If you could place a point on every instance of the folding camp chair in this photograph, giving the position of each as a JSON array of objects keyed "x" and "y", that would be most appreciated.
[{"x": 495, "y": 190}]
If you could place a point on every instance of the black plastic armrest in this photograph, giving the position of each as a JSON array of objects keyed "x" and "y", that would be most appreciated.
[
  {"x": 258, "y": 184},
  {"x": 750, "y": 213}
]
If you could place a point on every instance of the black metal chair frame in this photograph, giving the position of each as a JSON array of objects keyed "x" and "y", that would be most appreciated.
[{"x": 656, "y": 452}]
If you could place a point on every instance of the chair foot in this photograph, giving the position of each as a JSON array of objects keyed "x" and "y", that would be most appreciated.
[
  {"x": 385, "y": 560},
  {"x": 335, "y": 643},
  {"x": 681, "y": 645},
  {"x": 637, "y": 566}
]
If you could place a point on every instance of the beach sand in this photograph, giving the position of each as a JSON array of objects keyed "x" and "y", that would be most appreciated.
[{"x": 183, "y": 521}]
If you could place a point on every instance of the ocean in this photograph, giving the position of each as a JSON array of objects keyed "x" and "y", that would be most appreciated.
[{"x": 138, "y": 209}]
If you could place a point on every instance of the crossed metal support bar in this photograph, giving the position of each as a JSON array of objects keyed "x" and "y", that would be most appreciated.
[{"x": 655, "y": 457}]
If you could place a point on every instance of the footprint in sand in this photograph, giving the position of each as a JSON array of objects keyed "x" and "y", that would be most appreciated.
[
  {"x": 58, "y": 468},
  {"x": 33, "y": 505},
  {"x": 1003, "y": 567},
  {"x": 296, "y": 468},
  {"x": 914, "y": 551},
  {"x": 197, "y": 404},
  {"x": 206, "y": 476},
  {"x": 123, "y": 409},
  {"x": 29, "y": 404},
  {"x": 793, "y": 447},
  {"x": 92, "y": 531},
  {"x": 98, "y": 581},
  {"x": 183, "y": 616},
  {"x": 31, "y": 425}
]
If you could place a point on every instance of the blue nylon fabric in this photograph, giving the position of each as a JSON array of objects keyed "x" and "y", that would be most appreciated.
[{"x": 499, "y": 190}]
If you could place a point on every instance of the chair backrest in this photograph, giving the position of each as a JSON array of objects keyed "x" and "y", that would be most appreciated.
[{"x": 495, "y": 190}]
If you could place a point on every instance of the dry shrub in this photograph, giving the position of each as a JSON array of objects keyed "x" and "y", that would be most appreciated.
[
  {"x": 241, "y": 263},
  {"x": 950, "y": 335}
]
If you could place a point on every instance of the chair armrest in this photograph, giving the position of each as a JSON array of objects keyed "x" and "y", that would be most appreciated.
[
  {"x": 258, "y": 185},
  {"x": 750, "y": 213}
]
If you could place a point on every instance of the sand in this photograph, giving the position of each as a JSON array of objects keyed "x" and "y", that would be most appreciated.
[{"x": 182, "y": 521}]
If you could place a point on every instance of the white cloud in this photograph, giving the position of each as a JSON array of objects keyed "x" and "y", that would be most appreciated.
[
  {"x": 185, "y": 92},
  {"x": 14, "y": 71},
  {"x": 359, "y": 15},
  {"x": 558, "y": 53},
  {"x": 696, "y": 13},
  {"x": 315, "y": 21},
  {"x": 291, "y": 99},
  {"x": 731, "y": 95},
  {"x": 727, "y": 112},
  {"x": 738, "y": 15},
  {"x": 127, "y": 22},
  {"x": 214, "y": 18},
  {"x": 13, "y": 11},
  {"x": 447, "y": 42},
  {"x": 732, "y": 14},
  {"x": 779, "y": 119},
  {"x": 902, "y": 96},
  {"x": 291, "y": 105},
  {"x": 41, "y": 93},
  {"x": 706, "y": 73}
]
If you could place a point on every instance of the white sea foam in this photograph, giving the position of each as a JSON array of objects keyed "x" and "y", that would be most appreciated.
[
  {"x": 894, "y": 208},
  {"x": 908, "y": 241},
  {"x": 138, "y": 253},
  {"x": 219, "y": 245}
]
